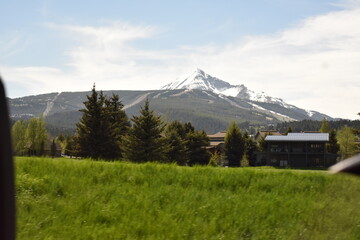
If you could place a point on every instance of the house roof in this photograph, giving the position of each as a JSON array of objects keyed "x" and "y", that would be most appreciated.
[
  {"x": 216, "y": 143},
  {"x": 217, "y": 135},
  {"x": 300, "y": 137},
  {"x": 264, "y": 133}
]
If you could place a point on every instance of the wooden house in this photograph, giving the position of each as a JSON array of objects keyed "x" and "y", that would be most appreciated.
[
  {"x": 297, "y": 150},
  {"x": 216, "y": 142}
]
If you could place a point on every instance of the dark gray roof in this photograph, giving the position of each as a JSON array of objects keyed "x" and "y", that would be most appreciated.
[{"x": 301, "y": 137}]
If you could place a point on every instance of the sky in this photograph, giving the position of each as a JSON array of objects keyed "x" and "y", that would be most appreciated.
[{"x": 305, "y": 52}]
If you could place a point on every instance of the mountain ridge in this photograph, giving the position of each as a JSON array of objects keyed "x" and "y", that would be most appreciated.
[
  {"x": 201, "y": 99},
  {"x": 201, "y": 80}
]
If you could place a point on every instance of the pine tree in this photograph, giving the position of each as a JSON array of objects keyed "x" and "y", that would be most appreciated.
[
  {"x": 333, "y": 146},
  {"x": 289, "y": 130},
  {"x": 117, "y": 125},
  {"x": 250, "y": 148},
  {"x": 100, "y": 130},
  {"x": 144, "y": 142},
  {"x": 180, "y": 128},
  {"x": 89, "y": 128},
  {"x": 53, "y": 148},
  {"x": 175, "y": 150},
  {"x": 196, "y": 144},
  {"x": 262, "y": 144},
  {"x": 234, "y": 145},
  {"x": 324, "y": 126},
  {"x": 71, "y": 147}
]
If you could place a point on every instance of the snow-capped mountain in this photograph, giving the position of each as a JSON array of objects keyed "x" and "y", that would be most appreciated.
[
  {"x": 206, "y": 101},
  {"x": 203, "y": 81}
]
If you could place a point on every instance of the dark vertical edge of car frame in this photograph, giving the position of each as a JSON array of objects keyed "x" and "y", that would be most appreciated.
[{"x": 7, "y": 186}]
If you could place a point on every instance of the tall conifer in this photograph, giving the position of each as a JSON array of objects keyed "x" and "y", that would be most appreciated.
[
  {"x": 250, "y": 148},
  {"x": 196, "y": 144},
  {"x": 175, "y": 151},
  {"x": 144, "y": 142},
  {"x": 333, "y": 146},
  {"x": 101, "y": 127},
  {"x": 234, "y": 145},
  {"x": 89, "y": 127}
]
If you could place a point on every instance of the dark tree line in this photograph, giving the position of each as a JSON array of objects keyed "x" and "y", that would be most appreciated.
[
  {"x": 105, "y": 132},
  {"x": 311, "y": 125}
]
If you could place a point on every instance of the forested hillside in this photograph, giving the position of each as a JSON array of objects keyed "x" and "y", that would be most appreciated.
[
  {"x": 310, "y": 125},
  {"x": 204, "y": 109}
]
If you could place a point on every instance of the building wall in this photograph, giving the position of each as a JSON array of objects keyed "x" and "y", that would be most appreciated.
[{"x": 296, "y": 154}]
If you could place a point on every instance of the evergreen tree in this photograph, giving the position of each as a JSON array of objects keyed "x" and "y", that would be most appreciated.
[
  {"x": 196, "y": 144},
  {"x": 117, "y": 125},
  {"x": 144, "y": 142},
  {"x": 324, "y": 126},
  {"x": 89, "y": 127},
  {"x": 188, "y": 128},
  {"x": 18, "y": 137},
  {"x": 333, "y": 146},
  {"x": 71, "y": 147},
  {"x": 180, "y": 128},
  {"x": 187, "y": 145},
  {"x": 175, "y": 150},
  {"x": 262, "y": 145},
  {"x": 101, "y": 128},
  {"x": 250, "y": 148},
  {"x": 53, "y": 148},
  {"x": 289, "y": 130},
  {"x": 346, "y": 139},
  {"x": 234, "y": 145}
]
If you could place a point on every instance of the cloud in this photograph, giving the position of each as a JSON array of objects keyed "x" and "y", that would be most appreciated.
[
  {"x": 12, "y": 45},
  {"x": 349, "y": 4},
  {"x": 313, "y": 64}
]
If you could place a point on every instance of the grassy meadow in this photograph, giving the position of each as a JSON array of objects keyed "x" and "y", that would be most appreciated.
[{"x": 83, "y": 199}]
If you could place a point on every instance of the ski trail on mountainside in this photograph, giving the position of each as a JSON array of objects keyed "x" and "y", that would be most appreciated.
[
  {"x": 138, "y": 100},
  {"x": 50, "y": 105}
]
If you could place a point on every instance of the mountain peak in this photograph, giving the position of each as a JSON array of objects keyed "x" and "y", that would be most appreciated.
[
  {"x": 200, "y": 80},
  {"x": 200, "y": 71}
]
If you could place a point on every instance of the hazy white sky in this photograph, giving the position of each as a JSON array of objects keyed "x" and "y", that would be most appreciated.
[{"x": 306, "y": 52}]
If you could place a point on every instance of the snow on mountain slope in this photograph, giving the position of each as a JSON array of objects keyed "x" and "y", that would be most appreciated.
[
  {"x": 199, "y": 80},
  {"x": 203, "y": 81}
]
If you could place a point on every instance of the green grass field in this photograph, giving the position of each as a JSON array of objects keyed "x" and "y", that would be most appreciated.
[{"x": 83, "y": 199}]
